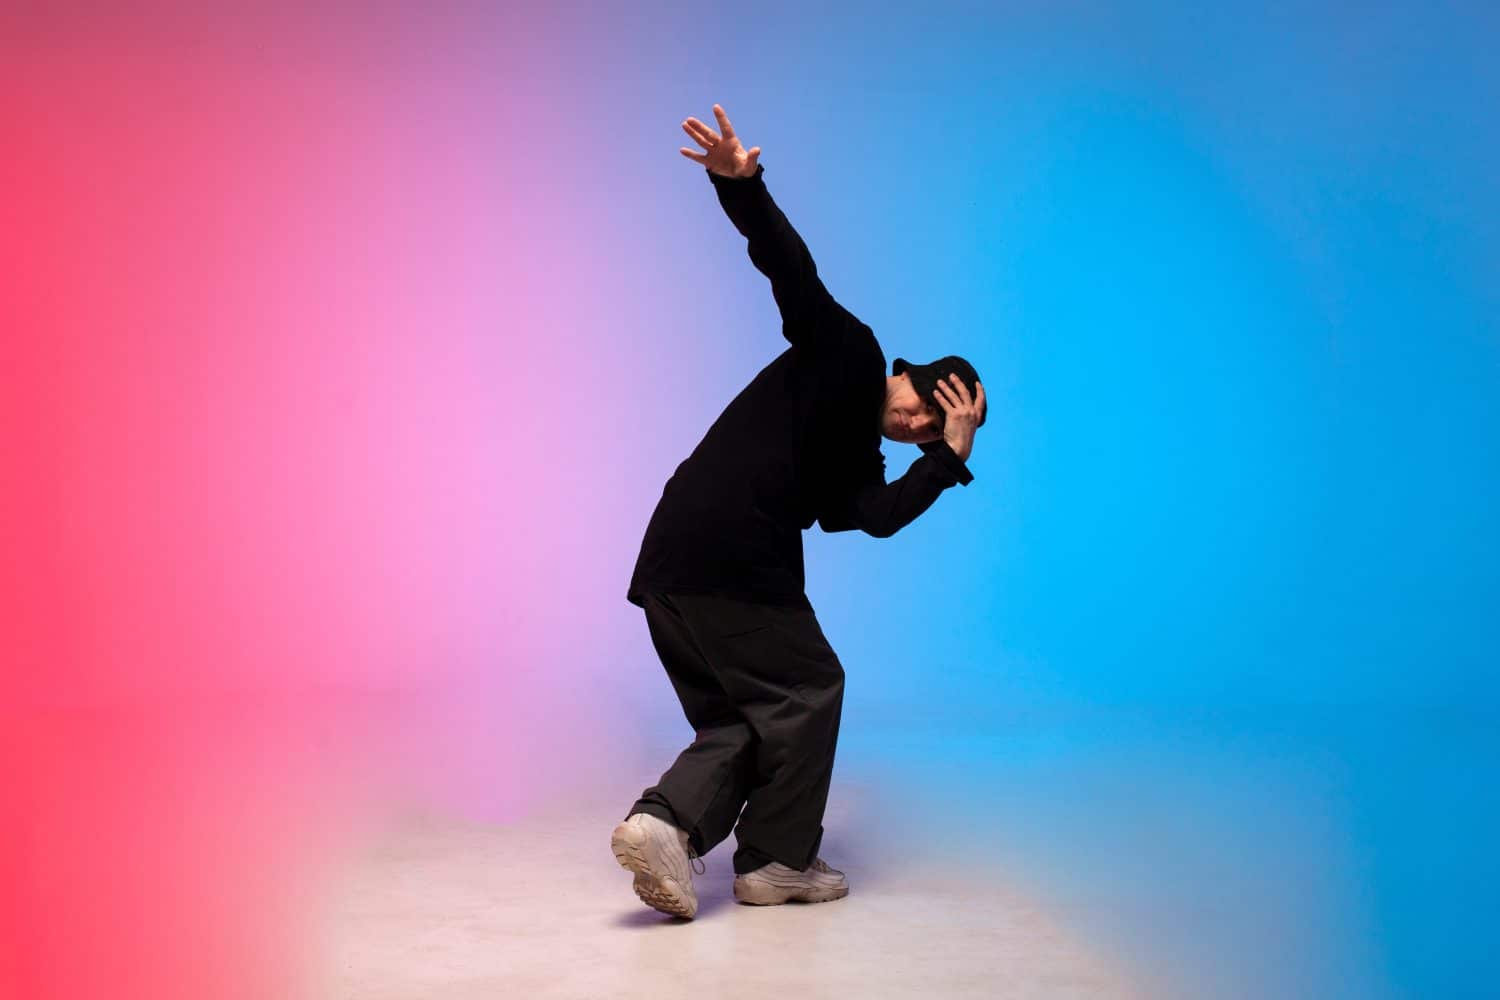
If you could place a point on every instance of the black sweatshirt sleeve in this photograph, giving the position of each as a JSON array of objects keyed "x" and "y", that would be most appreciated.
[
  {"x": 881, "y": 509},
  {"x": 948, "y": 458},
  {"x": 809, "y": 314}
]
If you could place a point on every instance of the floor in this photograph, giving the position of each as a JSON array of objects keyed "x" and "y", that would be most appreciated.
[
  {"x": 446, "y": 910},
  {"x": 1226, "y": 854}
]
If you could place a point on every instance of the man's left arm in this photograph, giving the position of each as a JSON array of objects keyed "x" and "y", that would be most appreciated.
[{"x": 881, "y": 509}]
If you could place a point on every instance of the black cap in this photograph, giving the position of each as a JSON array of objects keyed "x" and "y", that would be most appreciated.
[{"x": 924, "y": 379}]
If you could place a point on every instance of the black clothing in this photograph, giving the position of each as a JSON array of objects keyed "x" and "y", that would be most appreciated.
[
  {"x": 800, "y": 443},
  {"x": 720, "y": 571},
  {"x": 764, "y": 692}
]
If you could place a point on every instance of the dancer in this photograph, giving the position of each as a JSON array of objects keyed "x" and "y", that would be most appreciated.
[{"x": 720, "y": 572}]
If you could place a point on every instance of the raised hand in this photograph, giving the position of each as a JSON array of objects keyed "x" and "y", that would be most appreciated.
[
  {"x": 724, "y": 155},
  {"x": 962, "y": 413}
]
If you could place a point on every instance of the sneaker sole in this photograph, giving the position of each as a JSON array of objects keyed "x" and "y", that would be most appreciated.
[
  {"x": 760, "y": 894},
  {"x": 655, "y": 888}
]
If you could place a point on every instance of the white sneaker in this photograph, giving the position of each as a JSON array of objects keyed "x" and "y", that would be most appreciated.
[
  {"x": 659, "y": 854},
  {"x": 779, "y": 883}
]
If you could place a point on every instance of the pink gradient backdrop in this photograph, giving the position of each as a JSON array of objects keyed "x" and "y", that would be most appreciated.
[{"x": 290, "y": 456}]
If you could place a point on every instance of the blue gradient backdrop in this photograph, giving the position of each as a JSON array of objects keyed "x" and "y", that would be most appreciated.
[{"x": 1230, "y": 277}]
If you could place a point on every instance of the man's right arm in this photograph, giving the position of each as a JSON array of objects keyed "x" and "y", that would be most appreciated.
[{"x": 808, "y": 312}]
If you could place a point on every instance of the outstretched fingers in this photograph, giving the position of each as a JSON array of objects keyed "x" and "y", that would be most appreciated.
[
  {"x": 732, "y": 159},
  {"x": 724, "y": 125},
  {"x": 701, "y": 133}
]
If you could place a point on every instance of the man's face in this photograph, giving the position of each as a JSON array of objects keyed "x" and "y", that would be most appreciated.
[{"x": 908, "y": 417}]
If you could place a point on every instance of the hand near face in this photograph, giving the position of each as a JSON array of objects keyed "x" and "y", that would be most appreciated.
[
  {"x": 962, "y": 413},
  {"x": 724, "y": 154}
]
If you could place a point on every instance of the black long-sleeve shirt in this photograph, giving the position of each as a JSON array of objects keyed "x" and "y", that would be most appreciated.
[{"x": 799, "y": 444}]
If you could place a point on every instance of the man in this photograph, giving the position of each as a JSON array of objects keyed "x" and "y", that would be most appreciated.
[{"x": 720, "y": 571}]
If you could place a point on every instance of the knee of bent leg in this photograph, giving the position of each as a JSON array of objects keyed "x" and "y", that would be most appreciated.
[
  {"x": 813, "y": 703},
  {"x": 805, "y": 724},
  {"x": 731, "y": 733},
  {"x": 829, "y": 682}
]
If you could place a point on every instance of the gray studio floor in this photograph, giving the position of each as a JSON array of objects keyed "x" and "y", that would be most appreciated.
[
  {"x": 1319, "y": 853},
  {"x": 443, "y": 910}
]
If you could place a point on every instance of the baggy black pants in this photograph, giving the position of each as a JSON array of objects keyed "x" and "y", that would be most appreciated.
[{"x": 764, "y": 692}]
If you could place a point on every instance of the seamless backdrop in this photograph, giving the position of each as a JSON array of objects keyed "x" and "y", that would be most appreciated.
[{"x": 345, "y": 354}]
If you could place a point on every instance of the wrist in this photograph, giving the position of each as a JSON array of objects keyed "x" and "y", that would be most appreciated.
[
  {"x": 736, "y": 177},
  {"x": 948, "y": 460}
]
